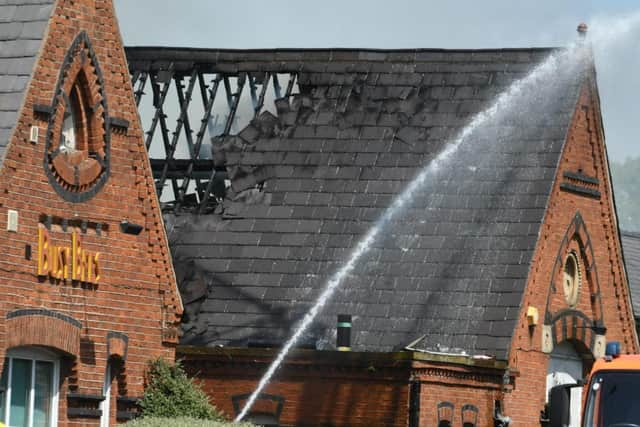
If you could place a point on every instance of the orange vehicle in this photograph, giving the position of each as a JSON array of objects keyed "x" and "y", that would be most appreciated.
[{"x": 612, "y": 394}]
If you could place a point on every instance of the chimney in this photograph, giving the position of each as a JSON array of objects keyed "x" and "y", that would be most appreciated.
[
  {"x": 584, "y": 47},
  {"x": 344, "y": 332},
  {"x": 582, "y": 30}
]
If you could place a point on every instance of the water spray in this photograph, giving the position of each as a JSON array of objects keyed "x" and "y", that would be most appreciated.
[{"x": 568, "y": 60}]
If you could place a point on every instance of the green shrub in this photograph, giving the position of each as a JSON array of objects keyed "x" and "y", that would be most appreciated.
[
  {"x": 181, "y": 422},
  {"x": 169, "y": 393}
]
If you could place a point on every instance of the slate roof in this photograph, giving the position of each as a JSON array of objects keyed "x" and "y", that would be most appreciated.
[
  {"x": 449, "y": 274},
  {"x": 631, "y": 248},
  {"x": 22, "y": 27}
]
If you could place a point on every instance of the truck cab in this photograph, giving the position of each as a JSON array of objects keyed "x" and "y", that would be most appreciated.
[{"x": 612, "y": 398}]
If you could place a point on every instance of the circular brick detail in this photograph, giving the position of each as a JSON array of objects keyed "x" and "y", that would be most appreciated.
[{"x": 572, "y": 279}]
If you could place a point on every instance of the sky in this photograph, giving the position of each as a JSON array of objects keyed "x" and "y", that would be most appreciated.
[{"x": 450, "y": 24}]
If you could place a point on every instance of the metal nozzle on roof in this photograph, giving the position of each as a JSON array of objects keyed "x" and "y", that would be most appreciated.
[{"x": 582, "y": 29}]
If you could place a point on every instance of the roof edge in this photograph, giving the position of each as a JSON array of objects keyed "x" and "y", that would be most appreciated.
[
  {"x": 576, "y": 97},
  {"x": 345, "y": 49},
  {"x": 215, "y": 55},
  {"x": 351, "y": 357}
]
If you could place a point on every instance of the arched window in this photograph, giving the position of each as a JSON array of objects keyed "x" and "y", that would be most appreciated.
[
  {"x": 29, "y": 388},
  {"x": 469, "y": 415},
  {"x": 445, "y": 414}
]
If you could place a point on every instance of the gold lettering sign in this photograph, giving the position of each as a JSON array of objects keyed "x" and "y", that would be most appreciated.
[{"x": 67, "y": 262}]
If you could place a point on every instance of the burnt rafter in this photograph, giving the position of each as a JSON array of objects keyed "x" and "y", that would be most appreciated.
[
  {"x": 189, "y": 100},
  {"x": 207, "y": 100}
]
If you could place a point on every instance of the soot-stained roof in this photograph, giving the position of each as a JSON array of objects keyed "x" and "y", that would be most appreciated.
[
  {"x": 631, "y": 247},
  {"x": 447, "y": 274},
  {"x": 22, "y": 26}
]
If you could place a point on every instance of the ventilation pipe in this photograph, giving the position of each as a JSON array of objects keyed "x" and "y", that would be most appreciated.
[{"x": 344, "y": 332}]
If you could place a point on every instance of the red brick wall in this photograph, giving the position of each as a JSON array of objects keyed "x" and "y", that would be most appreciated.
[
  {"x": 324, "y": 389},
  {"x": 584, "y": 152},
  {"x": 136, "y": 294},
  {"x": 346, "y": 389}
]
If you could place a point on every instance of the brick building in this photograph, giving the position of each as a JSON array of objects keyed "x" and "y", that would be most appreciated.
[
  {"x": 87, "y": 289},
  {"x": 503, "y": 277}
]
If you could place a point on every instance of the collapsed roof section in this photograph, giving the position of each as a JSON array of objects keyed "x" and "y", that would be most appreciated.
[{"x": 289, "y": 196}]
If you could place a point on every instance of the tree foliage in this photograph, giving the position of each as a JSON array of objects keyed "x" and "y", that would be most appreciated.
[
  {"x": 170, "y": 393},
  {"x": 626, "y": 184}
]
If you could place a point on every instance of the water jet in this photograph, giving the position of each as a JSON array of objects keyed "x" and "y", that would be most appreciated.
[{"x": 564, "y": 66}]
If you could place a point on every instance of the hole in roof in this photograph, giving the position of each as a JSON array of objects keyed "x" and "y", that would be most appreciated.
[
  {"x": 238, "y": 99},
  {"x": 258, "y": 93}
]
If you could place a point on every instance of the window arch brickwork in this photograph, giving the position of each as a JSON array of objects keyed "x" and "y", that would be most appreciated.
[{"x": 41, "y": 327}]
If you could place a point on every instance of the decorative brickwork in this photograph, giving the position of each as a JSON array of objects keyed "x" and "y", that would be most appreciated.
[
  {"x": 44, "y": 328},
  {"x": 78, "y": 174},
  {"x": 117, "y": 345},
  {"x": 459, "y": 386}
]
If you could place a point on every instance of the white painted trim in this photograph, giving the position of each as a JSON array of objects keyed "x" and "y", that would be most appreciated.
[
  {"x": 7, "y": 402},
  {"x": 32, "y": 393},
  {"x": 105, "y": 405},
  {"x": 55, "y": 396}
]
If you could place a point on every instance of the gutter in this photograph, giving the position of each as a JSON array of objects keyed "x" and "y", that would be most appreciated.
[{"x": 329, "y": 356}]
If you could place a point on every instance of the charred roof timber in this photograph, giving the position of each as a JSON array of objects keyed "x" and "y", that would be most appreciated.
[
  {"x": 204, "y": 103},
  {"x": 185, "y": 134}
]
